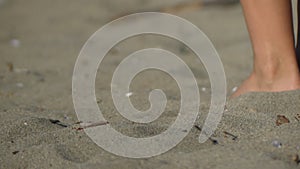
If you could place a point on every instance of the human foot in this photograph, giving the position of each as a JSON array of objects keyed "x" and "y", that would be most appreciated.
[{"x": 257, "y": 83}]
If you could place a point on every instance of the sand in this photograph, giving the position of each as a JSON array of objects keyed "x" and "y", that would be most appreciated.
[{"x": 39, "y": 44}]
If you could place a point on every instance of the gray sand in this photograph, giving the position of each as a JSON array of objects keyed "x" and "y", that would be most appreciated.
[{"x": 38, "y": 88}]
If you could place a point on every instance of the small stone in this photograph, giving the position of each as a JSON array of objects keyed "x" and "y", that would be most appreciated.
[
  {"x": 66, "y": 117},
  {"x": 225, "y": 109},
  {"x": 25, "y": 124},
  {"x": 129, "y": 94},
  {"x": 234, "y": 89},
  {"x": 203, "y": 89},
  {"x": 277, "y": 144}
]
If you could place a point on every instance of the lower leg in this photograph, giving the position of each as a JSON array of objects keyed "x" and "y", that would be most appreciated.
[
  {"x": 298, "y": 39},
  {"x": 271, "y": 31}
]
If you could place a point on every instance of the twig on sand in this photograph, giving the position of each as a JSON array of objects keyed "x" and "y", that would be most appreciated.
[
  {"x": 234, "y": 137},
  {"x": 93, "y": 124},
  {"x": 78, "y": 122},
  {"x": 15, "y": 152},
  {"x": 57, "y": 122},
  {"x": 214, "y": 141}
]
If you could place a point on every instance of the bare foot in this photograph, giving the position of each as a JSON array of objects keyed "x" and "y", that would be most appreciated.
[{"x": 257, "y": 83}]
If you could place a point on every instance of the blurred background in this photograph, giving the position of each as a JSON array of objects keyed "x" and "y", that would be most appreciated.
[{"x": 41, "y": 39}]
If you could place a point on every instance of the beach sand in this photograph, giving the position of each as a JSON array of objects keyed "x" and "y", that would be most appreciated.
[{"x": 39, "y": 44}]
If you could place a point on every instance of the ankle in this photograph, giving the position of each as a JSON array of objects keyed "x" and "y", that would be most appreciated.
[{"x": 274, "y": 68}]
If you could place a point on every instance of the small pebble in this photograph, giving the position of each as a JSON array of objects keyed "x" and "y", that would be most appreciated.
[
  {"x": 277, "y": 144},
  {"x": 234, "y": 89},
  {"x": 15, "y": 43},
  {"x": 129, "y": 94},
  {"x": 66, "y": 117},
  {"x": 25, "y": 124},
  {"x": 225, "y": 109},
  {"x": 203, "y": 89}
]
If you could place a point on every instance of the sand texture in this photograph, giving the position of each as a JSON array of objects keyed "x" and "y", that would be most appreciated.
[{"x": 39, "y": 43}]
